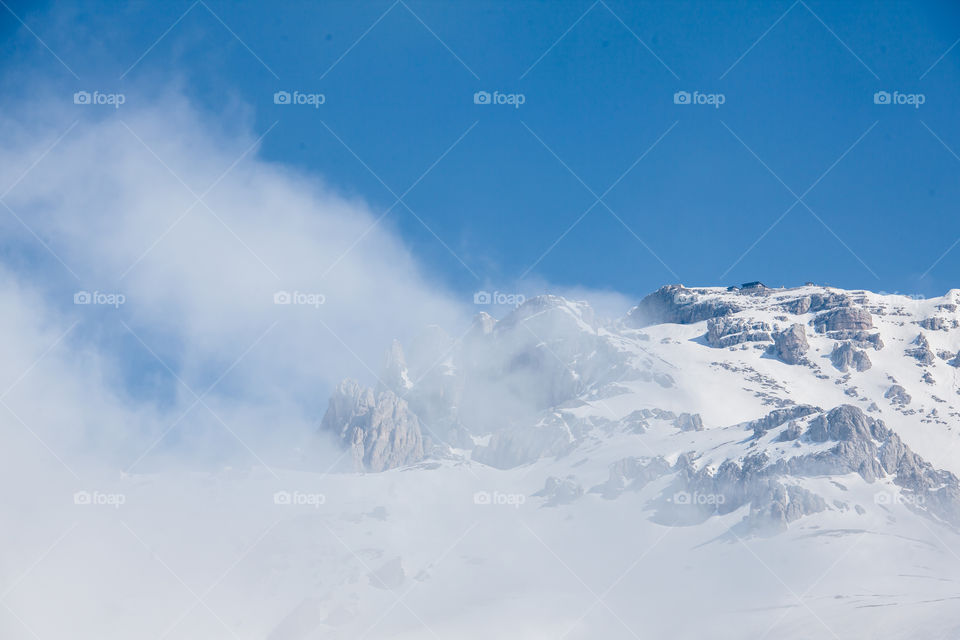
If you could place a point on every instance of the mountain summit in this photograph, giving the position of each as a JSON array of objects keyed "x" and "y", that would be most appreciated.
[{"x": 747, "y": 394}]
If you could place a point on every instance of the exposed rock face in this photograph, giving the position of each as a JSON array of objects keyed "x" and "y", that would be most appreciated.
[
  {"x": 922, "y": 353},
  {"x": 897, "y": 395},
  {"x": 675, "y": 304},
  {"x": 790, "y": 345},
  {"x": 689, "y": 422},
  {"x": 857, "y": 450},
  {"x": 844, "y": 356},
  {"x": 378, "y": 428},
  {"x": 631, "y": 474},
  {"x": 935, "y": 323},
  {"x": 863, "y": 445},
  {"x": 791, "y": 433},
  {"x": 559, "y": 491},
  {"x": 636, "y": 422},
  {"x": 726, "y": 332},
  {"x": 511, "y": 448},
  {"x": 860, "y": 339},
  {"x": 843, "y": 319},
  {"x": 778, "y": 417},
  {"x": 773, "y": 504},
  {"x": 816, "y": 302}
]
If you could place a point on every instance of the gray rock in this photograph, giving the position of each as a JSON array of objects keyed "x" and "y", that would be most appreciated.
[
  {"x": 844, "y": 423},
  {"x": 636, "y": 421},
  {"x": 677, "y": 304},
  {"x": 922, "y": 352},
  {"x": 703, "y": 494},
  {"x": 791, "y": 433},
  {"x": 559, "y": 491},
  {"x": 816, "y": 302},
  {"x": 726, "y": 332},
  {"x": 778, "y": 417},
  {"x": 844, "y": 356},
  {"x": 378, "y": 428},
  {"x": 897, "y": 395},
  {"x": 861, "y": 339},
  {"x": 631, "y": 474},
  {"x": 512, "y": 447},
  {"x": 790, "y": 345},
  {"x": 689, "y": 422},
  {"x": 865, "y": 446},
  {"x": 843, "y": 319},
  {"x": 934, "y": 323},
  {"x": 781, "y": 505}
]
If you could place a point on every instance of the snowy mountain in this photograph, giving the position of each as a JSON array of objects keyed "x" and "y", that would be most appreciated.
[
  {"x": 813, "y": 423},
  {"x": 549, "y": 378},
  {"x": 745, "y": 463}
]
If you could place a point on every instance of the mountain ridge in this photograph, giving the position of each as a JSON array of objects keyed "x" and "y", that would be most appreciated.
[{"x": 724, "y": 365}]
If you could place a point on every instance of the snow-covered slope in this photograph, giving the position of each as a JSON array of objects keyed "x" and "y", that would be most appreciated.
[
  {"x": 747, "y": 463},
  {"x": 729, "y": 356},
  {"x": 801, "y": 421}
]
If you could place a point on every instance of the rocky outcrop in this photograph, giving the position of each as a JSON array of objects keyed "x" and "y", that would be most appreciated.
[
  {"x": 783, "y": 504},
  {"x": 631, "y": 474},
  {"x": 861, "y": 445},
  {"x": 778, "y": 417},
  {"x": 922, "y": 353},
  {"x": 636, "y": 422},
  {"x": 558, "y": 491},
  {"x": 816, "y": 302},
  {"x": 860, "y": 339},
  {"x": 701, "y": 493},
  {"x": 867, "y": 447},
  {"x": 843, "y": 319},
  {"x": 377, "y": 427},
  {"x": 844, "y": 357},
  {"x": 790, "y": 345},
  {"x": 512, "y": 447},
  {"x": 897, "y": 395},
  {"x": 726, "y": 332},
  {"x": 679, "y": 305},
  {"x": 688, "y": 422},
  {"x": 934, "y": 323}
]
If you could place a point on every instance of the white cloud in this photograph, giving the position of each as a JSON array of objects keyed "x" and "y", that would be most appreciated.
[{"x": 199, "y": 283}]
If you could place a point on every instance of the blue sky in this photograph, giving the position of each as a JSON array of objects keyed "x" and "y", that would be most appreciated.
[{"x": 598, "y": 79}]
